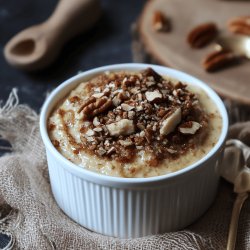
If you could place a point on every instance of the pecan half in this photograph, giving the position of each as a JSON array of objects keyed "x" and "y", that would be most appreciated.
[
  {"x": 86, "y": 103},
  {"x": 240, "y": 25},
  {"x": 160, "y": 22},
  {"x": 202, "y": 34},
  {"x": 219, "y": 59},
  {"x": 99, "y": 106}
]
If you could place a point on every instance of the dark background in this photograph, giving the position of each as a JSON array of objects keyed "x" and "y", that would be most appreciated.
[{"x": 109, "y": 42}]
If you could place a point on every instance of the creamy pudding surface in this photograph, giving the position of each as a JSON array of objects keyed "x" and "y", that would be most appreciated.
[{"x": 134, "y": 124}]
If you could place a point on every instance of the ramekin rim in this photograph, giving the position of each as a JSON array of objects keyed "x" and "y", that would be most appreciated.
[{"x": 131, "y": 66}]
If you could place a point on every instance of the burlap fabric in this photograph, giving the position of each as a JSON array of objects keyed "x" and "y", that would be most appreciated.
[{"x": 31, "y": 219}]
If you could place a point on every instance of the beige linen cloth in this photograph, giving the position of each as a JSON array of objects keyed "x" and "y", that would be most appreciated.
[{"x": 31, "y": 219}]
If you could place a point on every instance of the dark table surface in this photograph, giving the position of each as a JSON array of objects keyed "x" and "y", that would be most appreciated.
[{"x": 109, "y": 42}]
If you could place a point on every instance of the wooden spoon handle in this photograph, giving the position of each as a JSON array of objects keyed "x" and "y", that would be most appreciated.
[
  {"x": 73, "y": 17},
  {"x": 36, "y": 47},
  {"x": 232, "y": 235}
]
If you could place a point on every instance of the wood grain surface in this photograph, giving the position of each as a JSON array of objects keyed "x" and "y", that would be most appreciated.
[{"x": 171, "y": 49}]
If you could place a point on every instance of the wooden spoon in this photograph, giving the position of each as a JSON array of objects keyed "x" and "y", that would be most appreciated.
[
  {"x": 36, "y": 47},
  {"x": 234, "y": 170}
]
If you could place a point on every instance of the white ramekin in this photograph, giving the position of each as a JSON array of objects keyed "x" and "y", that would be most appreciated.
[{"x": 132, "y": 207}]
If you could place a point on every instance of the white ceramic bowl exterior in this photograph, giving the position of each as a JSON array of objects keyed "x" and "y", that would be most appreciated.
[{"x": 132, "y": 207}]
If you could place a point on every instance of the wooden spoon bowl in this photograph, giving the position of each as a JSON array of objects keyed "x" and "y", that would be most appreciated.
[{"x": 36, "y": 47}]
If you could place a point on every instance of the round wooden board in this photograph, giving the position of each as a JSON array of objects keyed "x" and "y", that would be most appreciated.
[{"x": 171, "y": 48}]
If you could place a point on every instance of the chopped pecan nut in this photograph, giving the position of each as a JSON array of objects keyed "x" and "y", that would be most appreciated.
[
  {"x": 219, "y": 59},
  {"x": 201, "y": 35},
  {"x": 240, "y": 25},
  {"x": 190, "y": 127},
  {"x": 169, "y": 124},
  {"x": 51, "y": 126},
  {"x": 87, "y": 102},
  {"x": 56, "y": 143},
  {"x": 148, "y": 135},
  {"x": 74, "y": 99},
  {"x": 150, "y": 72},
  {"x": 99, "y": 106},
  {"x": 119, "y": 98},
  {"x": 160, "y": 22},
  {"x": 162, "y": 112}
]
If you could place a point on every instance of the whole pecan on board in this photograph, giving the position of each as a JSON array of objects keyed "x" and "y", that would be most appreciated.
[
  {"x": 240, "y": 25},
  {"x": 160, "y": 22},
  {"x": 218, "y": 60},
  {"x": 202, "y": 35}
]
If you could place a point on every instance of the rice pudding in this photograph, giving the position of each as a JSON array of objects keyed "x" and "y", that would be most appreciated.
[{"x": 134, "y": 124}]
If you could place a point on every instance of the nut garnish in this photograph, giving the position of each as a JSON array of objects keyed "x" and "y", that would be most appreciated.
[
  {"x": 160, "y": 22},
  {"x": 240, "y": 25},
  {"x": 202, "y": 34},
  {"x": 190, "y": 127},
  {"x": 126, "y": 113},
  {"x": 219, "y": 59},
  {"x": 122, "y": 127},
  {"x": 153, "y": 95},
  {"x": 126, "y": 107},
  {"x": 97, "y": 107},
  {"x": 169, "y": 124}
]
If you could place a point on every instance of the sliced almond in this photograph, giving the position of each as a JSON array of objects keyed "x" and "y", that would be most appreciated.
[
  {"x": 126, "y": 107},
  {"x": 153, "y": 95},
  {"x": 122, "y": 127},
  {"x": 169, "y": 124},
  {"x": 150, "y": 83},
  {"x": 126, "y": 143},
  {"x": 99, "y": 129},
  {"x": 111, "y": 151},
  {"x": 101, "y": 151},
  {"x": 190, "y": 127},
  {"x": 139, "y": 108},
  {"x": 90, "y": 132},
  {"x": 96, "y": 121},
  {"x": 98, "y": 95},
  {"x": 171, "y": 151},
  {"x": 116, "y": 101}
]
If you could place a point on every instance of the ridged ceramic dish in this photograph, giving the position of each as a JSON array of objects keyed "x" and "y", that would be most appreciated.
[{"x": 132, "y": 207}]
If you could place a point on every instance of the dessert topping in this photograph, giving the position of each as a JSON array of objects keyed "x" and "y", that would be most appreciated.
[
  {"x": 122, "y": 127},
  {"x": 127, "y": 113},
  {"x": 189, "y": 127},
  {"x": 169, "y": 124}
]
